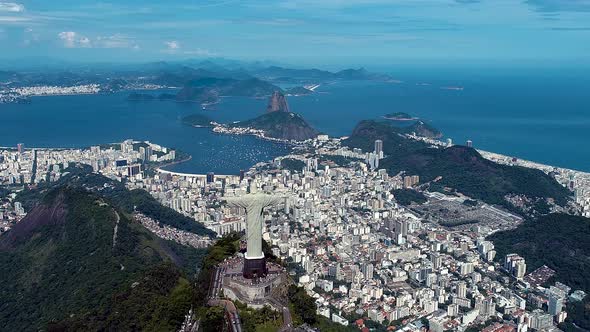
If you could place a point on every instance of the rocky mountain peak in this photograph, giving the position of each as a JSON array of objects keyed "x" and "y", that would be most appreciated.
[{"x": 277, "y": 103}]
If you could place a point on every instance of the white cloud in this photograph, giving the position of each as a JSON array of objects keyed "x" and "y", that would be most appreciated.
[
  {"x": 72, "y": 39},
  {"x": 115, "y": 41},
  {"x": 11, "y": 7},
  {"x": 172, "y": 45},
  {"x": 13, "y": 19}
]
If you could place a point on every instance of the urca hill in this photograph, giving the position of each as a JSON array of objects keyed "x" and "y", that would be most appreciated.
[{"x": 279, "y": 122}]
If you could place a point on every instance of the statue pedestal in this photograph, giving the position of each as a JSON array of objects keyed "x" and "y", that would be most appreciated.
[{"x": 254, "y": 268}]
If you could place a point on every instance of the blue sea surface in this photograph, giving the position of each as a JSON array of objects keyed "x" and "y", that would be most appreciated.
[
  {"x": 539, "y": 115},
  {"x": 84, "y": 120}
]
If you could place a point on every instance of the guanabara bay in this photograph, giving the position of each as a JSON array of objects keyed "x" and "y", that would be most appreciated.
[{"x": 294, "y": 166}]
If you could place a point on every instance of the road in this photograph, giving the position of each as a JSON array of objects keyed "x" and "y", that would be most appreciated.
[
  {"x": 287, "y": 319},
  {"x": 231, "y": 312}
]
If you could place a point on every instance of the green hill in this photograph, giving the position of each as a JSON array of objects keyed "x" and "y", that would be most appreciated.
[
  {"x": 459, "y": 167},
  {"x": 281, "y": 125},
  {"x": 62, "y": 267},
  {"x": 559, "y": 241},
  {"x": 207, "y": 90},
  {"x": 423, "y": 129},
  {"x": 562, "y": 242}
]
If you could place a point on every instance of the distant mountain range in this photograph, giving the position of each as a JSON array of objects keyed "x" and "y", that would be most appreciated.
[{"x": 179, "y": 74}]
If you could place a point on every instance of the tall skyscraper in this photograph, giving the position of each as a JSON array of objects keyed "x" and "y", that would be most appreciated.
[
  {"x": 368, "y": 271},
  {"x": 20, "y": 147},
  {"x": 516, "y": 265},
  {"x": 462, "y": 289},
  {"x": 142, "y": 153},
  {"x": 210, "y": 177},
  {"x": 555, "y": 303},
  {"x": 379, "y": 148}
]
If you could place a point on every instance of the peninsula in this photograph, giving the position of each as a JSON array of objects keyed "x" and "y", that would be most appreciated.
[{"x": 278, "y": 123}]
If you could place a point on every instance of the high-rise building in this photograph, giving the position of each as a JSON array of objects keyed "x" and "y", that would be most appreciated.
[
  {"x": 436, "y": 260},
  {"x": 453, "y": 310},
  {"x": 373, "y": 160},
  {"x": 210, "y": 177},
  {"x": 20, "y": 147},
  {"x": 379, "y": 148},
  {"x": 400, "y": 228},
  {"x": 555, "y": 303},
  {"x": 148, "y": 153},
  {"x": 515, "y": 265},
  {"x": 133, "y": 170},
  {"x": 242, "y": 174},
  {"x": 368, "y": 271},
  {"x": 411, "y": 181},
  {"x": 469, "y": 143},
  {"x": 142, "y": 153},
  {"x": 462, "y": 289}
]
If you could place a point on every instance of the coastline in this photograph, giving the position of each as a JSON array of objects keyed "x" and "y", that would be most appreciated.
[
  {"x": 508, "y": 160},
  {"x": 176, "y": 162}
]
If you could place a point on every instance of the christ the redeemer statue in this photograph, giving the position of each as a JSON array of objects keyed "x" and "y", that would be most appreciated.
[{"x": 254, "y": 203}]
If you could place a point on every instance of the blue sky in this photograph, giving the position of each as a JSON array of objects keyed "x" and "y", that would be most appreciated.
[{"x": 298, "y": 31}]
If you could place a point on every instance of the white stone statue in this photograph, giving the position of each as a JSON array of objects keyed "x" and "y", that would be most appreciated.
[{"x": 254, "y": 203}]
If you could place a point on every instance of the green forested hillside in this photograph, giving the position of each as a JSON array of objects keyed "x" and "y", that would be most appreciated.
[
  {"x": 459, "y": 167},
  {"x": 562, "y": 242},
  {"x": 63, "y": 264},
  {"x": 559, "y": 241},
  {"x": 282, "y": 125}
]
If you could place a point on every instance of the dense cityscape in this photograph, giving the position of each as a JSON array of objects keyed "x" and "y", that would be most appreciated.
[
  {"x": 295, "y": 166},
  {"x": 341, "y": 232}
]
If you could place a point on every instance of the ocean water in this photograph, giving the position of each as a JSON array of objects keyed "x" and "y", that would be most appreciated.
[
  {"x": 84, "y": 120},
  {"x": 540, "y": 115}
]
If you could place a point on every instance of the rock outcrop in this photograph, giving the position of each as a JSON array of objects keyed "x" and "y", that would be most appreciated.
[{"x": 277, "y": 103}]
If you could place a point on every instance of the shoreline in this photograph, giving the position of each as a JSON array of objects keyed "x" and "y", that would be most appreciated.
[
  {"x": 495, "y": 157},
  {"x": 161, "y": 167}
]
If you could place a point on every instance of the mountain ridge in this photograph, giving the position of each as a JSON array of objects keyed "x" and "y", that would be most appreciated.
[{"x": 71, "y": 254}]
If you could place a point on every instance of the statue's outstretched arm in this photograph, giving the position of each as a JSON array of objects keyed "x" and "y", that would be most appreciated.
[
  {"x": 273, "y": 200},
  {"x": 237, "y": 202}
]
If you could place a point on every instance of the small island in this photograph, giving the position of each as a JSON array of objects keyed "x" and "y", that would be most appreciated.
[
  {"x": 399, "y": 116},
  {"x": 299, "y": 91},
  {"x": 197, "y": 120}
]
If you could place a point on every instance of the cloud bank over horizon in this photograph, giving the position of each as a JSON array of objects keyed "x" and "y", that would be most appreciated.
[{"x": 288, "y": 30}]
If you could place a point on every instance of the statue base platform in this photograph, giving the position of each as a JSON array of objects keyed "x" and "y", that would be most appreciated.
[
  {"x": 254, "y": 292},
  {"x": 254, "y": 268}
]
